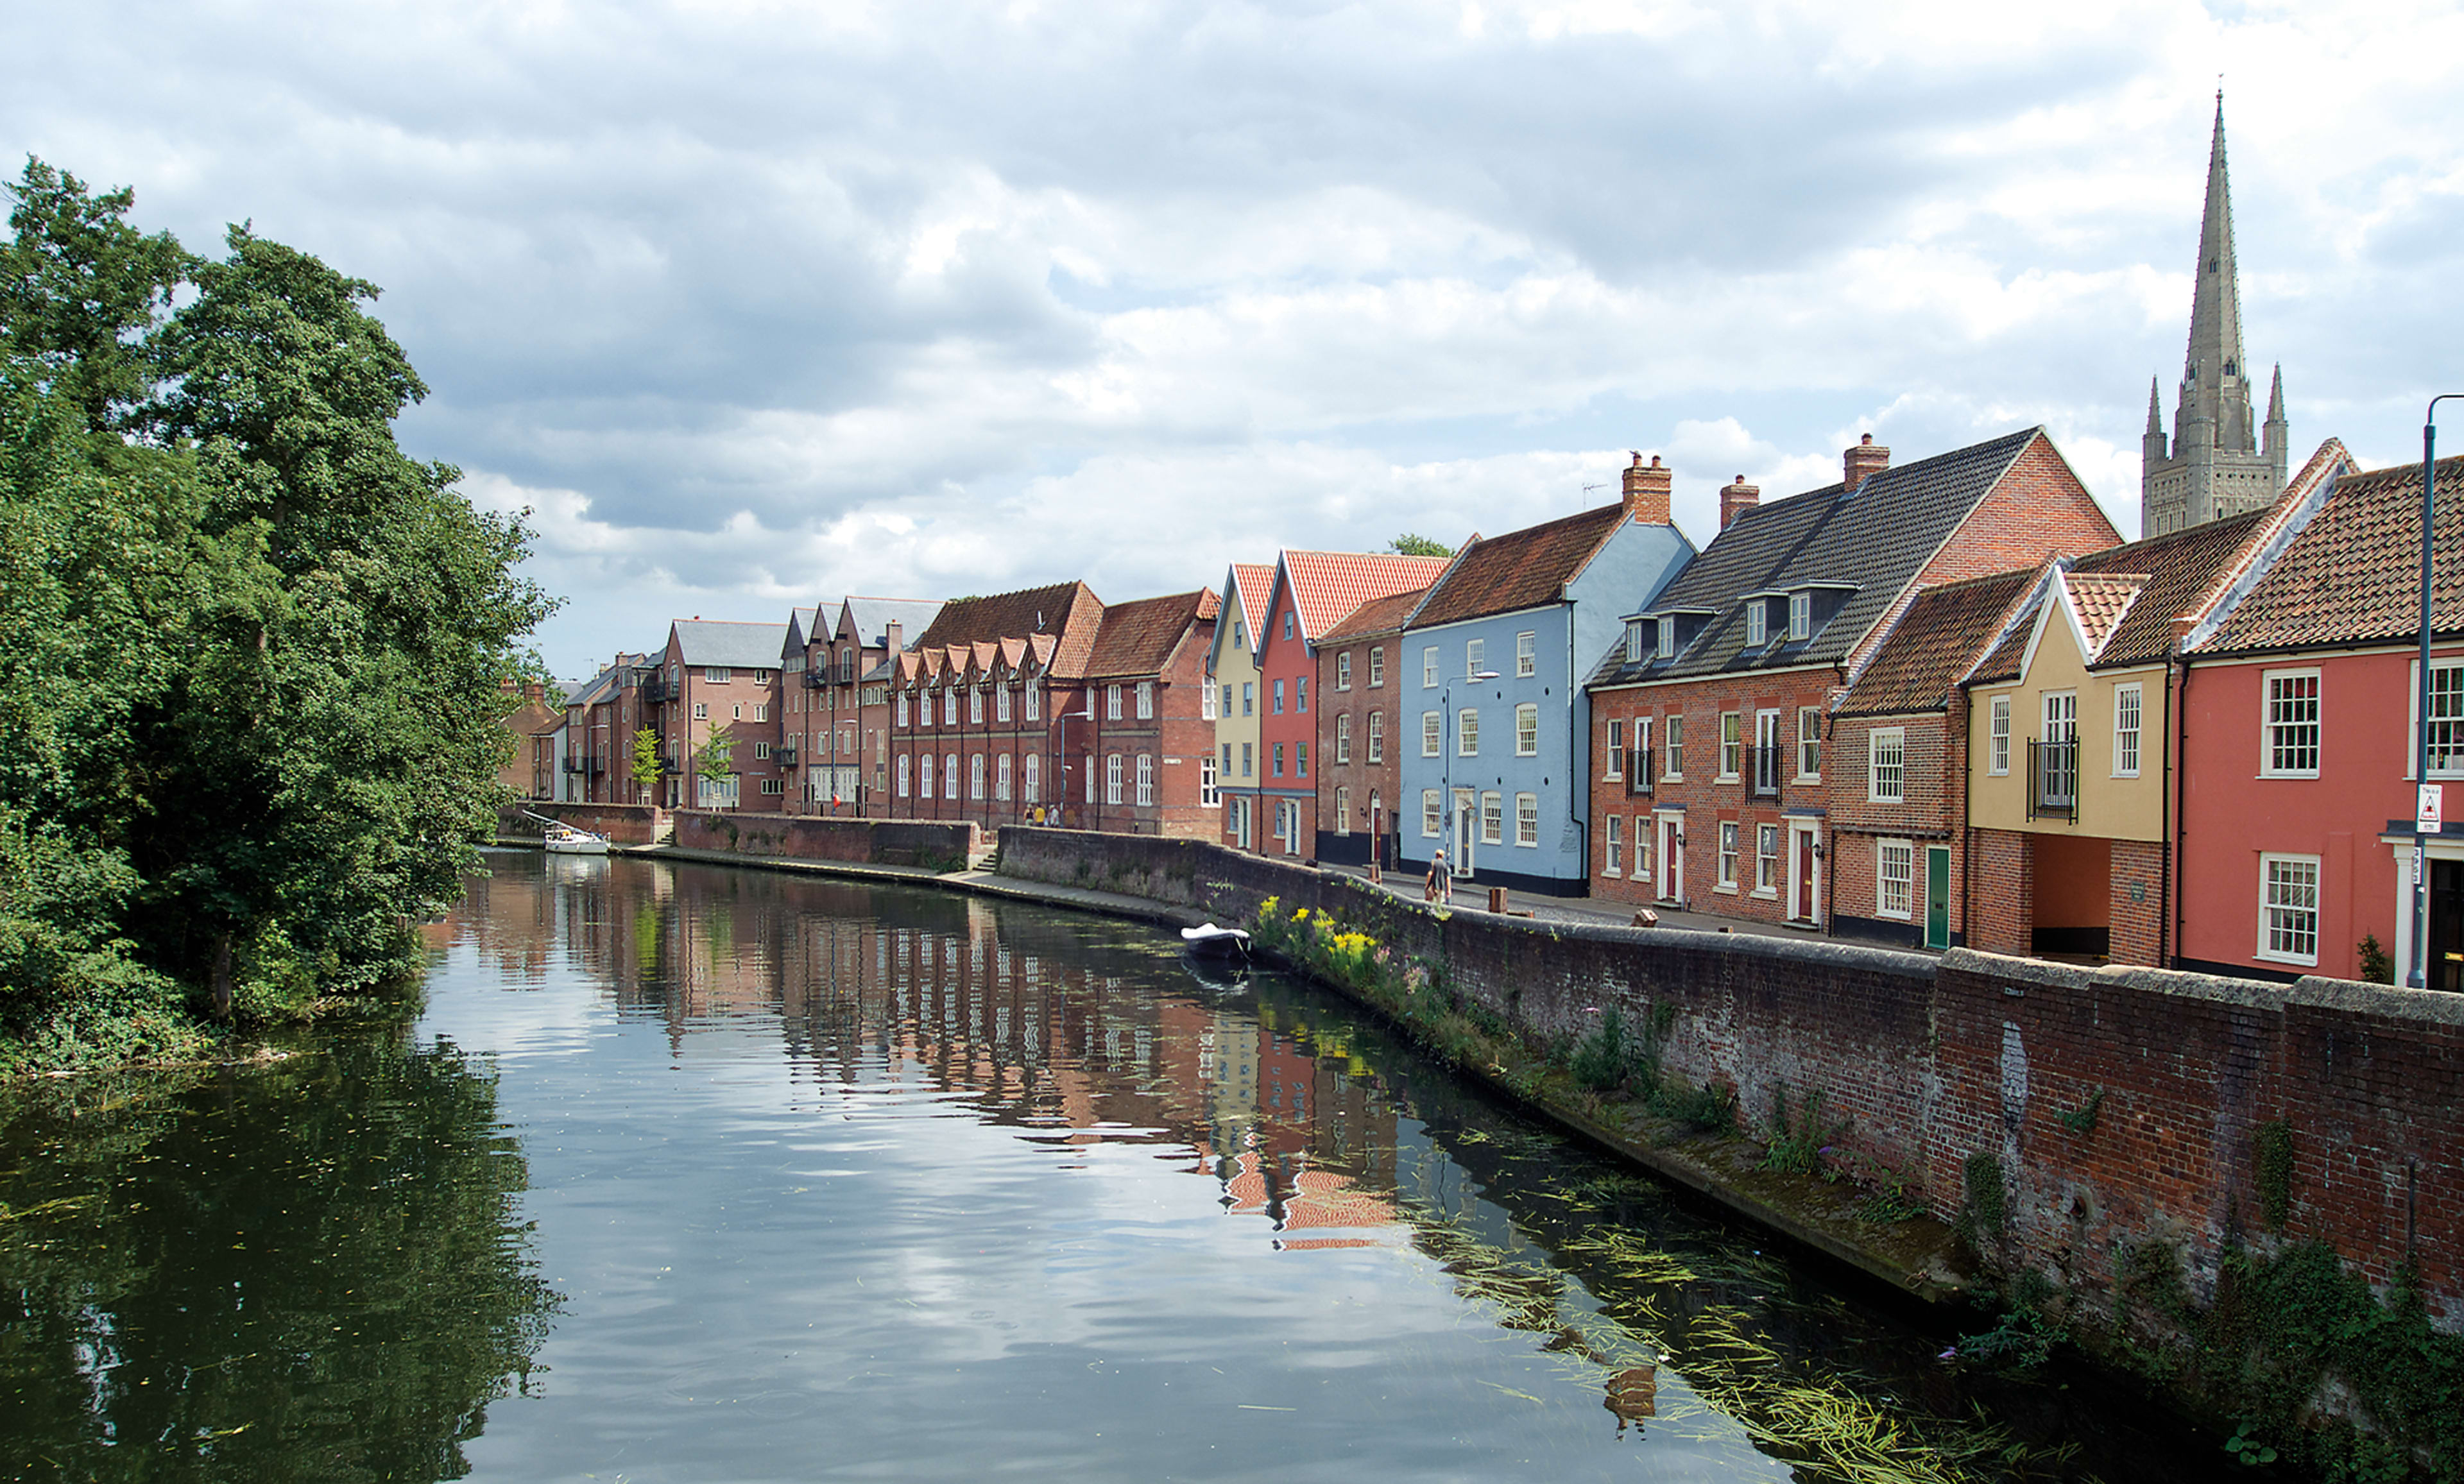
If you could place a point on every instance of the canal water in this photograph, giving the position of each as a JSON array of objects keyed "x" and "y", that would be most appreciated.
[{"x": 694, "y": 1173}]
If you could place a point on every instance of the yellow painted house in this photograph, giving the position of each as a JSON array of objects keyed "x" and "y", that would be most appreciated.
[
  {"x": 1233, "y": 671},
  {"x": 2070, "y": 770}
]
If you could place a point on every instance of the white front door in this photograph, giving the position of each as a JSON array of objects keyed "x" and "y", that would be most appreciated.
[{"x": 1466, "y": 830}]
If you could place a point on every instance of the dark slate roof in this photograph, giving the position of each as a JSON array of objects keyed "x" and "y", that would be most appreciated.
[
  {"x": 1521, "y": 569},
  {"x": 1138, "y": 639},
  {"x": 1378, "y": 615},
  {"x": 1875, "y": 541},
  {"x": 747, "y": 646},
  {"x": 802, "y": 626},
  {"x": 1068, "y": 611},
  {"x": 1942, "y": 634},
  {"x": 2173, "y": 570},
  {"x": 2353, "y": 576},
  {"x": 872, "y": 616}
]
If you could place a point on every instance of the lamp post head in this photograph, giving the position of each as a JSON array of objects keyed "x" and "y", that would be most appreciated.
[{"x": 1484, "y": 675}]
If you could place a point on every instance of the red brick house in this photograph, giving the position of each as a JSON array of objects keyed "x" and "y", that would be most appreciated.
[
  {"x": 719, "y": 680},
  {"x": 1312, "y": 592},
  {"x": 1896, "y": 859},
  {"x": 2296, "y": 806},
  {"x": 1710, "y": 718},
  {"x": 980, "y": 688},
  {"x": 838, "y": 701},
  {"x": 1145, "y": 731},
  {"x": 1359, "y": 735}
]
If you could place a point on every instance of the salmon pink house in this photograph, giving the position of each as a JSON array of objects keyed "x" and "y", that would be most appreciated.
[{"x": 2298, "y": 716}]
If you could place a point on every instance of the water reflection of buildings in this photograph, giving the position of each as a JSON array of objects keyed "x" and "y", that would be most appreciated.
[{"x": 1041, "y": 1022}]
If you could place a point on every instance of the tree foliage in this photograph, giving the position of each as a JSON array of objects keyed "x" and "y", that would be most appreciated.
[
  {"x": 1409, "y": 544},
  {"x": 251, "y": 656}
]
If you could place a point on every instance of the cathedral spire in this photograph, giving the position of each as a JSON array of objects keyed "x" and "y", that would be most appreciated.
[
  {"x": 2214, "y": 464},
  {"x": 2214, "y": 389}
]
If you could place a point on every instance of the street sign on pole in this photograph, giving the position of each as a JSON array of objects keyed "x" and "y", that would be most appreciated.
[{"x": 2428, "y": 811}]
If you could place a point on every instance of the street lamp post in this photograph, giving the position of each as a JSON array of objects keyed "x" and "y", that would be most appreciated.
[
  {"x": 1446, "y": 705},
  {"x": 2419, "y": 976}
]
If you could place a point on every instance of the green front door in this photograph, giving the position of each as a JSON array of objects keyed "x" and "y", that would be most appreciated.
[{"x": 1937, "y": 896}]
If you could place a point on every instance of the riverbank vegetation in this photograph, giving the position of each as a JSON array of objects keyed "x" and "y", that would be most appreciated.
[{"x": 252, "y": 655}]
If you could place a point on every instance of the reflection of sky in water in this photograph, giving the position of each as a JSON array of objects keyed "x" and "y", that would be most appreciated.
[{"x": 835, "y": 1265}]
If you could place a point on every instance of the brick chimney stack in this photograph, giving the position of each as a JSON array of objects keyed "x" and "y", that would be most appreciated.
[
  {"x": 891, "y": 635},
  {"x": 1736, "y": 499},
  {"x": 1646, "y": 491},
  {"x": 1862, "y": 461}
]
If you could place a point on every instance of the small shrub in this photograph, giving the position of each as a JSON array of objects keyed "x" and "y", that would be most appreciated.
[
  {"x": 1710, "y": 1108},
  {"x": 2376, "y": 966},
  {"x": 1797, "y": 1146},
  {"x": 2272, "y": 1147}
]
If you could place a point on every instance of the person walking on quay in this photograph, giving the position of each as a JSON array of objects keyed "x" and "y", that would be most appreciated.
[{"x": 1441, "y": 881}]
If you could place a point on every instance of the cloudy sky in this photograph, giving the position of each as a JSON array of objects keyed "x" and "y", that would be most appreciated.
[{"x": 757, "y": 304}]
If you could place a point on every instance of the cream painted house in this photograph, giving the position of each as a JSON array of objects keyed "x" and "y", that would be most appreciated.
[{"x": 1232, "y": 670}]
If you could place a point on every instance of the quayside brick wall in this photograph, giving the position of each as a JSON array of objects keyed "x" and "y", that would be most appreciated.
[
  {"x": 1930, "y": 1062},
  {"x": 812, "y": 838},
  {"x": 625, "y": 824}
]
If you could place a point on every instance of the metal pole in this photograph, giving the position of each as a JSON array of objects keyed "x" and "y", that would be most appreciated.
[{"x": 2418, "y": 977}]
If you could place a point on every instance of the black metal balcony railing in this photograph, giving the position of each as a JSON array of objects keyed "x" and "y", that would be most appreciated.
[
  {"x": 576, "y": 764},
  {"x": 1765, "y": 766},
  {"x": 2052, "y": 781},
  {"x": 657, "y": 690},
  {"x": 669, "y": 765},
  {"x": 817, "y": 679},
  {"x": 785, "y": 755},
  {"x": 1642, "y": 771}
]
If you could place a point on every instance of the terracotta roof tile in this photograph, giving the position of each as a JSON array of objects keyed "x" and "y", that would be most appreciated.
[
  {"x": 1937, "y": 638},
  {"x": 1138, "y": 639},
  {"x": 1376, "y": 617},
  {"x": 1068, "y": 611},
  {"x": 2353, "y": 576},
  {"x": 2170, "y": 573},
  {"x": 1328, "y": 585},
  {"x": 1521, "y": 569},
  {"x": 2100, "y": 599},
  {"x": 1254, "y": 580}
]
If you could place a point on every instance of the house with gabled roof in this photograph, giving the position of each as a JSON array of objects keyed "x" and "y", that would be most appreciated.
[
  {"x": 1897, "y": 849},
  {"x": 1233, "y": 663},
  {"x": 2072, "y": 753},
  {"x": 980, "y": 685},
  {"x": 1494, "y": 658},
  {"x": 1359, "y": 731},
  {"x": 2296, "y": 822},
  {"x": 1711, "y": 712},
  {"x": 720, "y": 681},
  {"x": 1311, "y": 594},
  {"x": 1147, "y": 735}
]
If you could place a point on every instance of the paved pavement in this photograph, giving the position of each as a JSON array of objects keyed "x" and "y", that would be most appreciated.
[{"x": 1574, "y": 910}]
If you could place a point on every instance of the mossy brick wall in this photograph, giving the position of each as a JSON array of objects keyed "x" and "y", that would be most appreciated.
[
  {"x": 855, "y": 841},
  {"x": 626, "y": 824},
  {"x": 1932, "y": 1061}
]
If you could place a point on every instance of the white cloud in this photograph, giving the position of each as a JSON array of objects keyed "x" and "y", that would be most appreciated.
[{"x": 756, "y": 301}]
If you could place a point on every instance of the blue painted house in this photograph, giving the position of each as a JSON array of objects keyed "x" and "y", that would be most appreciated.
[{"x": 1496, "y": 723}]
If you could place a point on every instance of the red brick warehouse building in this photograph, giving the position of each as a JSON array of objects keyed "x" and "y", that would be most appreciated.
[{"x": 1712, "y": 719}]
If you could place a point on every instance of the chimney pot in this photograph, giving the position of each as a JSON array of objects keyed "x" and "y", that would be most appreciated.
[
  {"x": 1647, "y": 492},
  {"x": 1861, "y": 463},
  {"x": 1736, "y": 499}
]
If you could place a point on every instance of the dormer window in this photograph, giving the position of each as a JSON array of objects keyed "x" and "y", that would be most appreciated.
[
  {"x": 1801, "y": 615},
  {"x": 1757, "y": 618},
  {"x": 1633, "y": 640},
  {"x": 1667, "y": 646}
]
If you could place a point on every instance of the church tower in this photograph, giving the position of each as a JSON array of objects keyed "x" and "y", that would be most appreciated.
[{"x": 2216, "y": 465}]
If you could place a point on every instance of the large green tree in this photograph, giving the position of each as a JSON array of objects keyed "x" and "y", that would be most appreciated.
[{"x": 257, "y": 652}]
